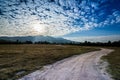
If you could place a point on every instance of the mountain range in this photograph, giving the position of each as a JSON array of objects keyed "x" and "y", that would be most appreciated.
[{"x": 37, "y": 39}]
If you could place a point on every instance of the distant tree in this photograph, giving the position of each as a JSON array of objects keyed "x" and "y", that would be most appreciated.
[{"x": 28, "y": 42}]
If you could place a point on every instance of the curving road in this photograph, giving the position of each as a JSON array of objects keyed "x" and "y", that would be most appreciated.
[{"x": 81, "y": 67}]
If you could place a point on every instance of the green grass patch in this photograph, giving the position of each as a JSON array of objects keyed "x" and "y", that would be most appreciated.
[
  {"x": 19, "y": 60},
  {"x": 114, "y": 63}
]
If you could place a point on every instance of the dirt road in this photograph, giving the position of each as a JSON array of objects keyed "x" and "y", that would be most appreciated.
[{"x": 81, "y": 67}]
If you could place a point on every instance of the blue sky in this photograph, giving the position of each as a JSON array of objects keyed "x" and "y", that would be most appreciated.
[
  {"x": 101, "y": 34},
  {"x": 70, "y": 19},
  {"x": 99, "y": 31}
]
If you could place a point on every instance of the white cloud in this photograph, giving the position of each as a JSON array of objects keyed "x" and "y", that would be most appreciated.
[
  {"x": 58, "y": 18},
  {"x": 95, "y": 38}
]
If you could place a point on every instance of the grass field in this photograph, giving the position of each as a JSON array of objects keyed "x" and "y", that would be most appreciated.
[
  {"x": 114, "y": 63},
  {"x": 19, "y": 60}
]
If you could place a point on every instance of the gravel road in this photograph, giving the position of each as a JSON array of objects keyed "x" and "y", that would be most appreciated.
[{"x": 79, "y": 67}]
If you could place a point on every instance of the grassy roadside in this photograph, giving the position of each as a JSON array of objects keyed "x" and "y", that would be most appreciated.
[
  {"x": 114, "y": 63},
  {"x": 19, "y": 60}
]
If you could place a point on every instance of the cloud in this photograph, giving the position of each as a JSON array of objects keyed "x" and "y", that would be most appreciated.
[
  {"x": 111, "y": 19},
  {"x": 95, "y": 38},
  {"x": 58, "y": 17}
]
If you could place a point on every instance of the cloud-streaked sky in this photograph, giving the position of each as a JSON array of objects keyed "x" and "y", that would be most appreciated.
[{"x": 60, "y": 18}]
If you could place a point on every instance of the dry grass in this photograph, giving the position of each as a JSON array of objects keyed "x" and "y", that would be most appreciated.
[
  {"x": 19, "y": 60},
  {"x": 114, "y": 63}
]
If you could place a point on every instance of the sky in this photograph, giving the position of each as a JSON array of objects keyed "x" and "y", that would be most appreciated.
[{"x": 78, "y": 20}]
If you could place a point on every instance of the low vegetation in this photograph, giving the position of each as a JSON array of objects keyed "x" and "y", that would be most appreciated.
[
  {"x": 20, "y": 59},
  {"x": 114, "y": 63},
  {"x": 86, "y": 43}
]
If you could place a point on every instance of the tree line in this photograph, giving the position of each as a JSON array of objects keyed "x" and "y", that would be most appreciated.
[{"x": 86, "y": 43}]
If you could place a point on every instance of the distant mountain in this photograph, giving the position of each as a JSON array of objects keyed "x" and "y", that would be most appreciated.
[
  {"x": 21, "y": 39},
  {"x": 51, "y": 39},
  {"x": 36, "y": 39}
]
